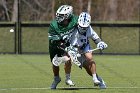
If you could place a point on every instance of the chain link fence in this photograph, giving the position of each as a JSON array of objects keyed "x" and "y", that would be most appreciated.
[{"x": 32, "y": 38}]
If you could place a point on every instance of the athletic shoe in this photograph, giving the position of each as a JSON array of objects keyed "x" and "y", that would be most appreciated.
[
  {"x": 102, "y": 85},
  {"x": 55, "y": 83},
  {"x": 96, "y": 81},
  {"x": 70, "y": 82}
]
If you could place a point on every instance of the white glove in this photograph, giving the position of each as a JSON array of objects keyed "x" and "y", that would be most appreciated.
[{"x": 102, "y": 45}]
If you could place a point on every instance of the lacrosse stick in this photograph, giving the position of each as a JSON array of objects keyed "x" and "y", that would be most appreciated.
[
  {"x": 94, "y": 49},
  {"x": 58, "y": 60},
  {"x": 91, "y": 50},
  {"x": 73, "y": 55}
]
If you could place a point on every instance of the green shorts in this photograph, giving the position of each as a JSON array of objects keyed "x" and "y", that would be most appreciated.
[{"x": 55, "y": 51}]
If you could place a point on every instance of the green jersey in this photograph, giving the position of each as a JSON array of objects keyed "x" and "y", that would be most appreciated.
[{"x": 56, "y": 31}]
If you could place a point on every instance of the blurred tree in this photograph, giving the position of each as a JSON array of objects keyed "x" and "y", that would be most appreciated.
[
  {"x": 2, "y": 13},
  {"x": 15, "y": 11},
  {"x": 111, "y": 10},
  {"x": 115, "y": 10},
  {"x": 53, "y": 12},
  {"x": 44, "y": 10},
  {"x": 4, "y": 5},
  {"x": 89, "y": 6}
]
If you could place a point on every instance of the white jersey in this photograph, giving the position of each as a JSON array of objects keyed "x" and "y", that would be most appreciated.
[{"x": 81, "y": 40}]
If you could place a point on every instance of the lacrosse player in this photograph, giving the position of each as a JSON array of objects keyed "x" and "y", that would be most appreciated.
[
  {"x": 79, "y": 44},
  {"x": 80, "y": 40},
  {"x": 59, "y": 29}
]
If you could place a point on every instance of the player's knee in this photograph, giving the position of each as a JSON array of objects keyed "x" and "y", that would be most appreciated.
[
  {"x": 66, "y": 58},
  {"x": 93, "y": 62},
  {"x": 89, "y": 59},
  {"x": 68, "y": 64}
]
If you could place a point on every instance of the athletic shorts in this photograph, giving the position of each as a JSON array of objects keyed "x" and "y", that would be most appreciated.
[
  {"x": 82, "y": 58},
  {"x": 86, "y": 48},
  {"x": 55, "y": 51}
]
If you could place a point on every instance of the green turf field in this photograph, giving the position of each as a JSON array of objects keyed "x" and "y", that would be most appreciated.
[{"x": 33, "y": 74}]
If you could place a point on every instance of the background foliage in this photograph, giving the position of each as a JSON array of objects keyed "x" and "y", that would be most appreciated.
[{"x": 44, "y": 10}]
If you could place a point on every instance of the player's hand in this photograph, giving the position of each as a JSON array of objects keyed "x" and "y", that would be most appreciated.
[{"x": 102, "y": 45}]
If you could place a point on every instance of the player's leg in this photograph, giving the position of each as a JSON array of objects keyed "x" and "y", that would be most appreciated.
[
  {"x": 102, "y": 85},
  {"x": 67, "y": 68},
  {"x": 57, "y": 78},
  {"x": 90, "y": 67}
]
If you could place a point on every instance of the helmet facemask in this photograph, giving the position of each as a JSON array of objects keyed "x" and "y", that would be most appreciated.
[
  {"x": 61, "y": 17},
  {"x": 64, "y": 12},
  {"x": 82, "y": 30}
]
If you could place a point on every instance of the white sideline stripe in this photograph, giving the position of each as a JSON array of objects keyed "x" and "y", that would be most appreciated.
[
  {"x": 68, "y": 88},
  {"x": 24, "y": 88}
]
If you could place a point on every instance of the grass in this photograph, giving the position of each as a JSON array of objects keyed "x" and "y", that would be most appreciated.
[{"x": 33, "y": 74}]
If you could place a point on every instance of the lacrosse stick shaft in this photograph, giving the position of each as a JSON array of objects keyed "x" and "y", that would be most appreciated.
[{"x": 94, "y": 49}]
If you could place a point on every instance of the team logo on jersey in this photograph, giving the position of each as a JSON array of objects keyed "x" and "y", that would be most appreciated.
[{"x": 67, "y": 33}]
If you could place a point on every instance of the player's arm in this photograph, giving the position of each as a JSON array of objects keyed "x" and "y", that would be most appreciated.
[
  {"x": 52, "y": 35},
  {"x": 55, "y": 39},
  {"x": 92, "y": 34},
  {"x": 97, "y": 40}
]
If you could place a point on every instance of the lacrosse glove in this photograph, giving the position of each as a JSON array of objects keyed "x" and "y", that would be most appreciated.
[{"x": 102, "y": 45}]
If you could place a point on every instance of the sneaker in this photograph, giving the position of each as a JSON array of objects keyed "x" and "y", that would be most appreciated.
[
  {"x": 55, "y": 83},
  {"x": 70, "y": 82},
  {"x": 96, "y": 81},
  {"x": 102, "y": 85}
]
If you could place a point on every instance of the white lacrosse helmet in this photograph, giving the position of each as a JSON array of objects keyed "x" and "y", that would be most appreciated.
[
  {"x": 84, "y": 21},
  {"x": 63, "y": 12}
]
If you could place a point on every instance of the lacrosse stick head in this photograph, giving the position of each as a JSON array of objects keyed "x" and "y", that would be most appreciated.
[
  {"x": 73, "y": 56},
  {"x": 56, "y": 61}
]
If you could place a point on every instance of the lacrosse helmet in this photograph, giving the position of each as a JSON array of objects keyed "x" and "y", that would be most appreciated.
[
  {"x": 64, "y": 12},
  {"x": 84, "y": 21}
]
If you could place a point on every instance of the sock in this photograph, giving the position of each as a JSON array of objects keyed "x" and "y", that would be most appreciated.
[
  {"x": 56, "y": 77},
  {"x": 67, "y": 76},
  {"x": 94, "y": 76}
]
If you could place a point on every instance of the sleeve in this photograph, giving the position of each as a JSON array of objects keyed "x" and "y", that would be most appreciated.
[
  {"x": 74, "y": 38},
  {"x": 92, "y": 34},
  {"x": 52, "y": 35}
]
